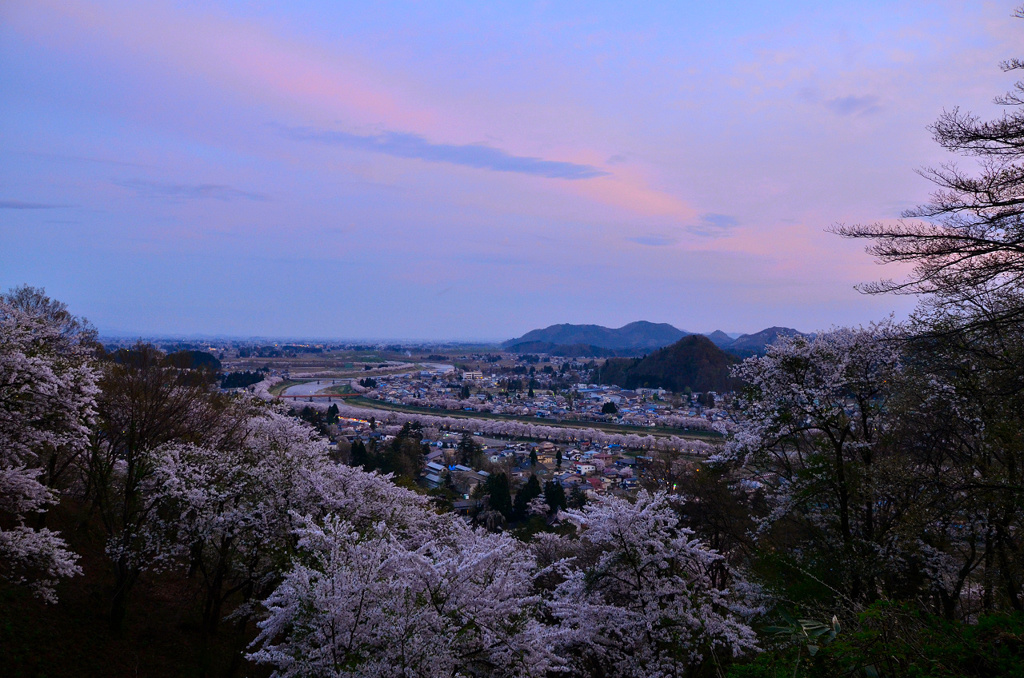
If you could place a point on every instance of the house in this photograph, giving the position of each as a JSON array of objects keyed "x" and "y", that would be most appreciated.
[
  {"x": 570, "y": 480},
  {"x": 466, "y": 478},
  {"x": 465, "y": 507},
  {"x": 651, "y": 391}
]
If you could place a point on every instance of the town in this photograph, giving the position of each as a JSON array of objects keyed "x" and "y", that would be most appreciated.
[{"x": 506, "y": 388}]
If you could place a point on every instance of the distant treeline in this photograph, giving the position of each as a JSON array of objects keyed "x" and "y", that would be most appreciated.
[
  {"x": 183, "y": 360},
  {"x": 242, "y": 379}
]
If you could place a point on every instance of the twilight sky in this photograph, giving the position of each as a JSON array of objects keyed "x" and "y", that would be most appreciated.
[{"x": 471, "y": 170}]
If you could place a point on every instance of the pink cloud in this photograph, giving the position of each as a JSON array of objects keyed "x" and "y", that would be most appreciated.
[
  {"x": 242, "y": 57},
  {"x": 302, "y": 81},
  {"x": 629, "y": 192}
]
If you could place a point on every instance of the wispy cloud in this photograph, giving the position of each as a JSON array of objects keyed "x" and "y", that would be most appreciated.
[
  {"x": 653, "y": 240},
  {"x": 23, "y": 205},
  {"x": 713, "y": 225},
  {"x": 189, "y": 191},
  {"x": 709, "y": 225},
  {"x": 479, "y": 156},
  {"x": 854, "y": 105}
]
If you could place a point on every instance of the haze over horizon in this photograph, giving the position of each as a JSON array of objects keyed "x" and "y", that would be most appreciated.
[
  {"x": 116, "y": 334},
  {"x": 471, "y": 171}
]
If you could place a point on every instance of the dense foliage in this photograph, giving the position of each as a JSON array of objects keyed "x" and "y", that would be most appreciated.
[
  {"x": 242, "y": 379},
  {"x": 47, "y": 402}
]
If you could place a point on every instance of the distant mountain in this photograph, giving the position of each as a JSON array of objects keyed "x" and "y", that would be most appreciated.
[
  {"x": 641, "y": 335},
  {"x": 720, "y": 338},
  {"x": 571, "y": 350},
  {"x": 595, "y": 341},
  {"x": 753, "y": 344},
  {"x": 693, "y": 361}
]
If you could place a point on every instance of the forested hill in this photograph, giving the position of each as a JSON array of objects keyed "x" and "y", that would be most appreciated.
[
  {"x": 639, "y": 335},
  {"x": 693, "y": 362}
]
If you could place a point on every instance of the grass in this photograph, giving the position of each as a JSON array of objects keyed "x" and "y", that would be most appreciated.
[{"x": 564, "y": 423}]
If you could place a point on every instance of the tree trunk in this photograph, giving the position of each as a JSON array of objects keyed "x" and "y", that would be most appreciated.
[{"x": 125, "y": 578}]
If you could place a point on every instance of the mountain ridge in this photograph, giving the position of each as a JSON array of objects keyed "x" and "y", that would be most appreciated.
[
  {"x": 641, "y": 334},
  {"x": 571, "y": 340},
  {"x": 574, "y": 350},
  {"x": 753, "y": 344}
]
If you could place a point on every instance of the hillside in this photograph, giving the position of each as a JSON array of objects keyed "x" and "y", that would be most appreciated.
[
  {"x": 641, "y": 335},
  {"x": 571, "y": 350},
  {"x": 693, "y": 362}
]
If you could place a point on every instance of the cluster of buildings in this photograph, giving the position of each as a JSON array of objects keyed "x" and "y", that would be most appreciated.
[
  {"x": 542, "y": 395},
  {"x": 591, "y": 469}
]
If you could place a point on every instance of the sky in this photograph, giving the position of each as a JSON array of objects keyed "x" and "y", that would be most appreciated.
[{"x": 469, "y": 170}]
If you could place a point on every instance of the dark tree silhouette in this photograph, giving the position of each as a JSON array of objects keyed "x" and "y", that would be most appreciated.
[{"x": 967, "y": 242}]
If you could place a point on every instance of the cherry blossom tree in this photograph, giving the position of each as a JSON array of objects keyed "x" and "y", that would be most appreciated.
[
  {"x": 37, "y": 557},
  {"x": 367, "y": 579},
  {"x": 959, "y": 437},
  {"x": 144, "y": 404},
  {"x": 639, "y": 598},
  {"x": 814, "y": 436},
  {"x": 228, "y": 514},
  {"x": 431, "y": 599},
  {"x": 47, "y": 402}
]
